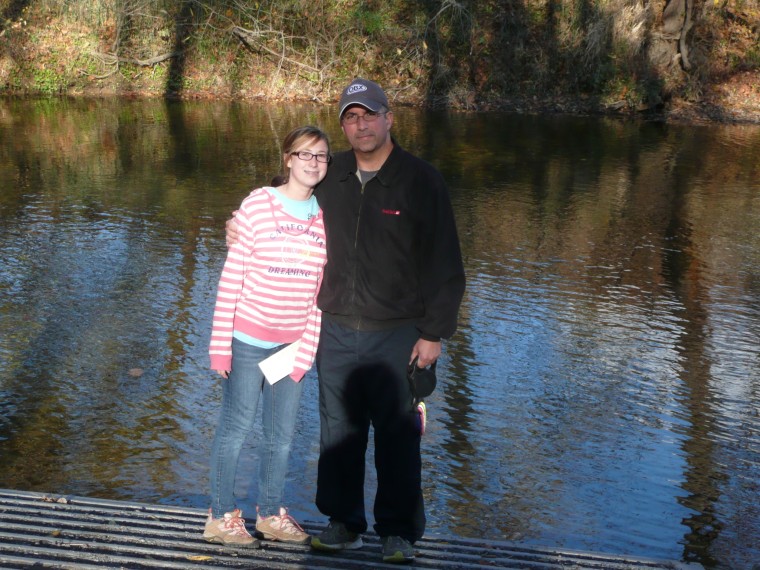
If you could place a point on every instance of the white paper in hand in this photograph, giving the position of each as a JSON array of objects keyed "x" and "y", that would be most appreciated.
[{"x": 280, "y": 364}]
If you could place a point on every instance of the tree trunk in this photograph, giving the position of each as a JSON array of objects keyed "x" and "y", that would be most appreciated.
[{"x": 669, "y": 44}]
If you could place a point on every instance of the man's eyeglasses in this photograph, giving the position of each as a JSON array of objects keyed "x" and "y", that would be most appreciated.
[
  {"x": 306, "y": 155},
  {"x": 369, "y": 116}
]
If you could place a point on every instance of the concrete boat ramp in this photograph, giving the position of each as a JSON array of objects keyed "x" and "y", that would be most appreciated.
[{"x": 40, "y": 530}]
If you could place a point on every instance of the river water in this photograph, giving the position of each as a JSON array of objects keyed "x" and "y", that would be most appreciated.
[{"x": 602, "y": 391}]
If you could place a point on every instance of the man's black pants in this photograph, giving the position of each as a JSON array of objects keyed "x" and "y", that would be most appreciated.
[{"x": 362, "y": 380}]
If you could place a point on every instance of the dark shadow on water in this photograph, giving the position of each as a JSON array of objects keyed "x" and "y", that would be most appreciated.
[{"x": 681, "y": 271}]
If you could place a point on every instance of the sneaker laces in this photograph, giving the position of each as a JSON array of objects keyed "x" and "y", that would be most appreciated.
[
  {"x": 286, "y": 523},
  {"x": 235, "y": 524}
]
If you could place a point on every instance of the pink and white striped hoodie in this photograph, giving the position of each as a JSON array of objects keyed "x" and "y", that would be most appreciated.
[{"x": 270, "y": 280}]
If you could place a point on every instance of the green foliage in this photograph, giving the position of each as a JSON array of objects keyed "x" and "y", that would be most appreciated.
[
  {"x": 47, "y": 81},
  {"x": 368, "y": 20},
  {"x": 751, "y": 60}
]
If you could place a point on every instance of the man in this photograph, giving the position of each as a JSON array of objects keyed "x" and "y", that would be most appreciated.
[{"x": 392, "y": 288}]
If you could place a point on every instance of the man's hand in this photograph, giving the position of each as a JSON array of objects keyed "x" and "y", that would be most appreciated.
[
  {"x": 231, "y": 229},
  {"x": 426, "y": 351}
]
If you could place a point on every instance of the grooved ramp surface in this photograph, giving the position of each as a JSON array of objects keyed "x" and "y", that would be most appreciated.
[{"x": 52, "y": 531}]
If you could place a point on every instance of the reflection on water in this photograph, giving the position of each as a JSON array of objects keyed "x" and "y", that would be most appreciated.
[{"x": 602, "y": 392}]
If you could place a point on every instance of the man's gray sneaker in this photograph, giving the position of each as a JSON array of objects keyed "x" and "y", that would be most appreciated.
[
  {"x": 397, "y": 550},
  {"x": 336, "y": 537}
]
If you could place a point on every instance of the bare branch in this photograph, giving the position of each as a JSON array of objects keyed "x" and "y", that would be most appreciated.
[
  {"x": 252, "y": 40},
  {"x": 111, "y": 59}
]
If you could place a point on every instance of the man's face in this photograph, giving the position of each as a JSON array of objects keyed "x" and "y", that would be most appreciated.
[{"x": 366, "y": 135}]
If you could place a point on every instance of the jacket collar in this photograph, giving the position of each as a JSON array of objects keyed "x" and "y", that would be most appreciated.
[{"x": 386, "y": 172}]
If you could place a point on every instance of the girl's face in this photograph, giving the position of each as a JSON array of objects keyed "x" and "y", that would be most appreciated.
[{"x": 308, "y": 163}]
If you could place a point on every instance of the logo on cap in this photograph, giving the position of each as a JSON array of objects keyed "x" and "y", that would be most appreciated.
[{"x": 356, "y": 88}]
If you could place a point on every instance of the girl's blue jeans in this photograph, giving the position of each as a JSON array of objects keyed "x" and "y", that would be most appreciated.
[{"x": 240, "y": 399}]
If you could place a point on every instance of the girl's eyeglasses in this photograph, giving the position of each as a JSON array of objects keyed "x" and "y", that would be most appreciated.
[{"x": 306, "y": 155}]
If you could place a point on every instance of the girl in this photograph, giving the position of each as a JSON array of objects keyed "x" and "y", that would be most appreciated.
[{"x": 267, "y": 298}]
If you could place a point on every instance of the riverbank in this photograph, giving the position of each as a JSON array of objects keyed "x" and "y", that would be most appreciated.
[
  {"x": 434, "y": 60},
  {"x": 736, "y": 102}
]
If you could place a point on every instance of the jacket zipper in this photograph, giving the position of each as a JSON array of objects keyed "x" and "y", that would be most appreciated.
[{"x": 356, "y": 244}]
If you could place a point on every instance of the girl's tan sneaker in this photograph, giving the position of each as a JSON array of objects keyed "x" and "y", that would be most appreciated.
[
  {"x": 229, "y": 530},
  {"x": 281, "y": 527}
]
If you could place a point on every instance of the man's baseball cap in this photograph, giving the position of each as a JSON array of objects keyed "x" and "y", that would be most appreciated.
[{"x": 366, "y": 93}]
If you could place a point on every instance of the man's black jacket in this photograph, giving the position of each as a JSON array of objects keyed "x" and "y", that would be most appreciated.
[{"x": 393, "y": 252}]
